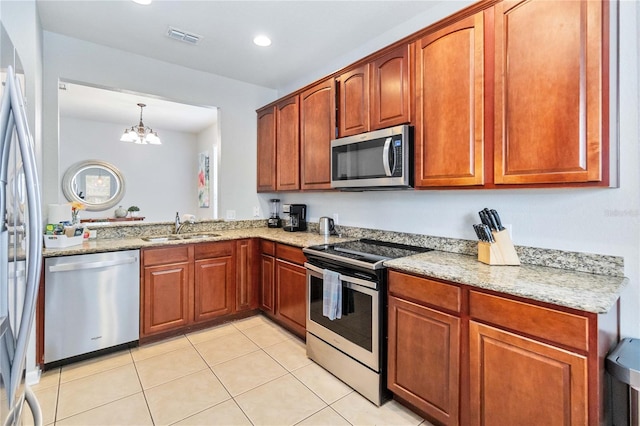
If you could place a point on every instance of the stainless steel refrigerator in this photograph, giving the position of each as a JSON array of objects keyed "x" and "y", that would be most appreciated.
[{"x": 20, "y": 248}]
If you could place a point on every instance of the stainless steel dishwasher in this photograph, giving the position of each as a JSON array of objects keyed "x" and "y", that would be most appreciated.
[{"x": 92, "y": 302}]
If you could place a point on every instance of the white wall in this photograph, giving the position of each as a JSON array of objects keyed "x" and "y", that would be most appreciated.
[
  {"x": 79, "y": 61},
  {"x": 602, "y": 221},
  {"x": 160, "y": 179}
]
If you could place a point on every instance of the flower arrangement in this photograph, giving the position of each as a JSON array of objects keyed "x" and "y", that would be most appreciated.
[
  {"x": 134, "y": 209},
  {"x": 76, "y": 206}
]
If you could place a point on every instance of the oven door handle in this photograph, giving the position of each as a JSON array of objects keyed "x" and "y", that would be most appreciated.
[{"x": 346, "y": 278}]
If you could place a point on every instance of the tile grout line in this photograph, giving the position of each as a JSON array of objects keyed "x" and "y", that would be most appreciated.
[{"x": 144, "y": 394}]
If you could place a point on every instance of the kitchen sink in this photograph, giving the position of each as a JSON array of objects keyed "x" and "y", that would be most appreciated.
[
  {"x": 173, "y": 237},
  {"x": 198, "y": 236},
  {"x": 160, "y": 238}
]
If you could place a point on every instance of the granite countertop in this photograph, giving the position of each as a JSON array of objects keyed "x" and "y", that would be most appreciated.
[
  {"x": 590, "y": 292},
  {"x": 578, "y": 290},
  {"x": 297, "y": 239}
]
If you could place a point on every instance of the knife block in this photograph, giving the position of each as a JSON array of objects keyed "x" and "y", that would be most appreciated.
[{"x": 501, "y": 252}]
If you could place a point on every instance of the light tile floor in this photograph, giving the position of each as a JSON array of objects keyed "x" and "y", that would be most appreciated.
[{"x": 248, "y": 372}]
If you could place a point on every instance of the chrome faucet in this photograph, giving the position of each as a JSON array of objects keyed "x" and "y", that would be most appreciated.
[{"x": 179, "y": 225}]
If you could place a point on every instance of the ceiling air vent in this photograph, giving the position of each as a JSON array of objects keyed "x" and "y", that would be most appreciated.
[{"x": 177, "y": 34}]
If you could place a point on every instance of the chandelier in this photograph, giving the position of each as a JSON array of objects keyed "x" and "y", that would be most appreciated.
[{"x": 140, "y": 134}]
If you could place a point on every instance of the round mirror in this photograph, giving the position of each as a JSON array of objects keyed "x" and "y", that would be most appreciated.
[{"x": 96, "y": 184}]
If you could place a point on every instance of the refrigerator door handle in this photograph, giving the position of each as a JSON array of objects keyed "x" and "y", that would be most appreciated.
[{"x": 34, "y": 254}]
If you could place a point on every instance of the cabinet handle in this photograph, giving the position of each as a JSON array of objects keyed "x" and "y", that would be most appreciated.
[{"x": 385, "y": 157}]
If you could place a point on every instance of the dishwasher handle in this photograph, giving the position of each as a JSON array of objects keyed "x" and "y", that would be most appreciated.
[{"x": 91, "y": 265}]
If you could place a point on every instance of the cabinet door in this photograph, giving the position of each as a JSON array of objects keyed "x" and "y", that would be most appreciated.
[
  {"x": 246, "y": 275},
  {"x": 165, "y": 297},
  {"x": 518, "y": 381},
  {"x": 288, "y": 145},
  {"x": 317, "y": 128},
  {"x": 266, "y": 150},
  {"x": 424, "y": 359},
  {"x": 449, "y": 133},
  {"x": 390, "y": 84},
  {"x": 267, "y": 276},
  {"x": 549, "y": 103},
  {"x": 291, "y": 284},
  {"x": 214, "y": 287},
  {"x": 353, "y": 108}
]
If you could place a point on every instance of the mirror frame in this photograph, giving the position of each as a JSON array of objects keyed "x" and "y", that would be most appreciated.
[{"x": 72, "y": 172}]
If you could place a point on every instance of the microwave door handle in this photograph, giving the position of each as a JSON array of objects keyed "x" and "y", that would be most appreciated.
[{"x": 385, "y": 157}]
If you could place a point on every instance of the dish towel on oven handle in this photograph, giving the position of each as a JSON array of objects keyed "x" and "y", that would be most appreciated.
[{"x": 331, "y": 294}]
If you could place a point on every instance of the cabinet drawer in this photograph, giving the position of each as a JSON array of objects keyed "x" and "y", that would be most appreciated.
[
  {"x": 209, "y": 250},
  {"x": 549, "y": 324},
  {"x": 426, "y": 291},
  {"x": 290, "y": 253},
  {"x": 268, "y": 247},
  {"x": 165, "y": 255}
]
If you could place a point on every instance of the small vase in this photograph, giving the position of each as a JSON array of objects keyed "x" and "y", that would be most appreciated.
[
  {"x": 134, "y": 214},
  {"x": 120, "y": 212}
]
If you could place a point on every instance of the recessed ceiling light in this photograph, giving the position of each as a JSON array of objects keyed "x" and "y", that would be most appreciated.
[
  {"x": 144, "y": 2},
  {"x": 262, "y": 40}
]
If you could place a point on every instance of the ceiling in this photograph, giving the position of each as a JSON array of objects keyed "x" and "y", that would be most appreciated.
[
  {"x": 113, "y": 106},
  {"x": 307, "y": 35}
]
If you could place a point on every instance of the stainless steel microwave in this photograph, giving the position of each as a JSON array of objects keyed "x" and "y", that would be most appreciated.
[{"x": 374, "y": 160}]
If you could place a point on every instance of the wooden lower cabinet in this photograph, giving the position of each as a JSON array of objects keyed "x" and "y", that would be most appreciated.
[
  {"x": 424, "y": 358},
  {"x": 283, "y": 285},
  {"x": 267, "y": 276},
  {"x": 214, "y": 288},
  {"x": 459, "y": 355},
  {"x": 165, "y": 298},
  {"x": 194, "y": 283},
  {"x": 291, "y": 282},
  {"x": 246, "y": 274},
  {"x": 515, "y": 380}
]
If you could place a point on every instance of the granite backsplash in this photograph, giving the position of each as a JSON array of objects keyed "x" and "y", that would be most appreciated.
[{"x": 574, "y": 261}]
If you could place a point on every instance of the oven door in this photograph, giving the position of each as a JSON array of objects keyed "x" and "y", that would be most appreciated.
[{"x": 357, "y": 332}]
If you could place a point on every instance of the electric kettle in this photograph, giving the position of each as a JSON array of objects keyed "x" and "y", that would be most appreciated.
[{"x": 326, "y": 226}]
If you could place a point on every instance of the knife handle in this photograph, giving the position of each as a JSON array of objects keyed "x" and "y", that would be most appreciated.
[
  {"x": 475, "y": 228},
  {"x": 492, "y": 221},
  {"x": 487, "y": 232},
  {"x": 496, "y": 217},
  {"x": 484, "y": 218}
]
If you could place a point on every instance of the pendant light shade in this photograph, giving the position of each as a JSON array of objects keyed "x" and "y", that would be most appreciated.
[{"x": 141, "y": 134}]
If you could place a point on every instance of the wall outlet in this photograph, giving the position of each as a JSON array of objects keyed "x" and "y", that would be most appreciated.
[
  {"x": 256, "y": 211},
  {"x": 335, "y": 218},
  {"x": 231, "y": 215}
]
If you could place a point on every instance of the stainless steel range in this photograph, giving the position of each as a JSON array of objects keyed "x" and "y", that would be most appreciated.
[{"x": 346, "y": 311}]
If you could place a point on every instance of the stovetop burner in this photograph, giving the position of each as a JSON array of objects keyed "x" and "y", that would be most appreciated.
[{"x": 368, "y": 252}]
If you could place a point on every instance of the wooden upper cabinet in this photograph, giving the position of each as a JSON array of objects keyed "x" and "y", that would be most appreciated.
[
  {"x": 317, "y": 128},
  {"x": 353, "y": 108},
  {"x": 288, "y": 145},
  {"x": 266, "y": 150},
  {"x": 390, "y": 103},
  {"x": 449, "y": 131},
  {"x": 549, "y": 95}
]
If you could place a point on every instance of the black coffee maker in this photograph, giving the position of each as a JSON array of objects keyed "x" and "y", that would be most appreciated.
[{"x": 295, "y": 217}]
